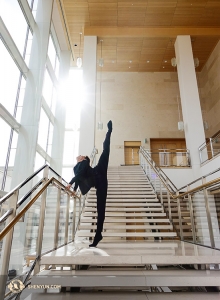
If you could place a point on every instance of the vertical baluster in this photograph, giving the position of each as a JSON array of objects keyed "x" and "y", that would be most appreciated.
[
  {"x": 7, "y": 244},
  {"x": 179, "y": 216},
  {"x": 211, "y": 147},
  {"x": 191, "y": 215},
  {"x": 211, "y": 234},
  {"x": 74, "y": 218},
  {"x": 67, "y": 219},
  {"x": 41, "y": 222},
  {"x": 168, "y": 198},
  {"x": 56, "y": 233}
]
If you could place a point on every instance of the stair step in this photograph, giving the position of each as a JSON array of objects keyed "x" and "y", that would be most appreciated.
[
  {"x": 132, "y": 209},
  {"x": 126, "y": 227},
  {"x": 128, "y": 215},
  {"x": 136, "y": 278},
  {"x": 126, "y": 197},
  {"x": 129, "y": 234},
  {"x": 109, "y": 254},
  {"x": 121, "y": 220},
  {"x": 115, "y": 204},
  {"x": 123, "y": 200}
]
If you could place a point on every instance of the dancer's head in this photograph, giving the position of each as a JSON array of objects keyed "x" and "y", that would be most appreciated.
[{"x": 81, "y": 158}]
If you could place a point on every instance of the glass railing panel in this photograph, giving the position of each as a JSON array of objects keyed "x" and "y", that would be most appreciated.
[
  {"x": 200, "y": 219},
  {"x": 25, "y": 234},
  {"x": 50, "y": 218},
  {"x": 62, "y": 218},
  {"x": 214, "y": 207}
]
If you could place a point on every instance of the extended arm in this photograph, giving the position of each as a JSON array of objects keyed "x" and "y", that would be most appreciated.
[{"x": 80, "y": 174}]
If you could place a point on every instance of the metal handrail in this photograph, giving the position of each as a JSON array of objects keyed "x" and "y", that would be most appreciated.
[
  {"x": 28, "y": 205},
  {"x": 8, "y": 195},
  {"x": 200, "y": 178},
  {"x": 158, "y": 170},
  {"x": 191, "y": 191}
]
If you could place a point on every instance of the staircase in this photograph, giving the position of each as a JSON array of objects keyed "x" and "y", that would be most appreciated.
[
  {"x": 139, "y": 249},
  {"x": 133, "y": 211}
]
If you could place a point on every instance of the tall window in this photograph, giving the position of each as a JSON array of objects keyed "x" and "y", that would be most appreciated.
[
  {"x": 33, "y": 5},
  {"x": 74, "y": 102},
  {"x": 9, "y": 78},
  {"x": 15, "y": 22},
  {"x": 5, "y": 175},
  {"x": 54, "y": 59}
]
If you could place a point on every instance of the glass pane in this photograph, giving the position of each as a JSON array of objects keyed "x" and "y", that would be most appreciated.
[
  {"x": 57, "y": 67},
  {"x": 68, "y": 151},
  {"x": 43, "y": 130},
  {"x": 50, "y": 138},
  {"x": 9, "y": 77},
  {"x": 11, "y": 11},
  {"x": 50, "y": 217},
  {"x": 48, "y": 88},
  {"x": 6, "y": 130},
  {"x": 67, "y": 174},
  {"x": 28, "y": 48},
  {"x": 34, "y": 10},
  {"x": 54, "y": 100},
  {"x": 62, "y": 219},
  {"x": 39, "y": 161},
  {"x": 52, "y": 52}
]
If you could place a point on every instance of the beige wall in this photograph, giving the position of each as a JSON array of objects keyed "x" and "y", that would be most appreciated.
[
  {"x": 141, "y": 105},
  {"x": 209, "y": 83}
]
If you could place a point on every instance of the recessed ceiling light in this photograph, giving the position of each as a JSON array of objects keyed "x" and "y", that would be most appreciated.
[
  {"x": 148, "y": 61},
  {"x": 163, "y": 67},
  {"x": 129, "y": 67},
  {"x": 130, "y": 61},
  {"x": 113, "y": 61},
  {"x": 165, "y": 61}
]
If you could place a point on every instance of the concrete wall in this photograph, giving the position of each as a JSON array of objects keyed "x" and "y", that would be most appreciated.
[
  {"x": 141, "y": 105},
  {"x": 209, "y": 82}
]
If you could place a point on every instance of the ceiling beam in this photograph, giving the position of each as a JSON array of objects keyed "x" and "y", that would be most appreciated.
[{"x": 150, "y": 31}]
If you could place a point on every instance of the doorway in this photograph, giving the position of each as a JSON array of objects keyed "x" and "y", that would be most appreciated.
[{"x": 132, "y": 152}]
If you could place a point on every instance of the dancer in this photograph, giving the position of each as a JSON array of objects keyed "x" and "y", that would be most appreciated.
[{"x": 87, "y": 177}]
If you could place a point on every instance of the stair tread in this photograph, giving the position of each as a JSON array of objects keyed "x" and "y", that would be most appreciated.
[
  {"x": 121, "y": 220},
  {"x": 129, "y": 234}
]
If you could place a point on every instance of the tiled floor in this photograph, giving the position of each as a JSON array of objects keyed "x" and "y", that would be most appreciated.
[{"x": 125, "y": 296}]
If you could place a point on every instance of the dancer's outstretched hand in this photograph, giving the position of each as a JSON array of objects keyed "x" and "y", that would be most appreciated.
[{"x": 109, "y": 125}]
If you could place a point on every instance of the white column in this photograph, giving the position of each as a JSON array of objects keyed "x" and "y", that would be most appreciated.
[
  {"x": 87, "y": 118},
  {"x": 60, "y": 114},
  {"x": 27, "y": 139},
  {"x": 192, "y": 114}
]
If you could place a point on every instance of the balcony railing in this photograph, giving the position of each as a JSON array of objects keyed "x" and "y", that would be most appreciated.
[
  {"x": 170, "y": 157},
  {"x": 209, "y": 149}
]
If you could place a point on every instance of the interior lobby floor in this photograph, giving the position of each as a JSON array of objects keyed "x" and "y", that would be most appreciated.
[{"x": 124, "y": 296}]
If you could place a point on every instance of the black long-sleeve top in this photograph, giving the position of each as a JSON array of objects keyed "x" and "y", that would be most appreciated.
[{"x": 84, "y": 177}]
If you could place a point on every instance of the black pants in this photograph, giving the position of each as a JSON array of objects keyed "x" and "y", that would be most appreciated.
[{"x": 101, "y": 182}]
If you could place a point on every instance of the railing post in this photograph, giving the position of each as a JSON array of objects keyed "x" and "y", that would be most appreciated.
[
  {"x": 191, "y": 215},
  {"x": 6, "y": 248},
  {"x": 41, "y": 222},
  {"x": 211, "y": 234},
  {"x": 211, "y": 147},
  {"x": 179, "y": 216},
  {"x": 56, "y": 233},
  {"x": 74, "y": 218},
  {"x": 168, "y": 198},
  {"x": 67, "y": 219},
  {"x": 161, "y": 194}
]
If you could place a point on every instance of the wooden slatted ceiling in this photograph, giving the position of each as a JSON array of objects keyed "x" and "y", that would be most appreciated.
[{"x": 141, "y": 54}]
